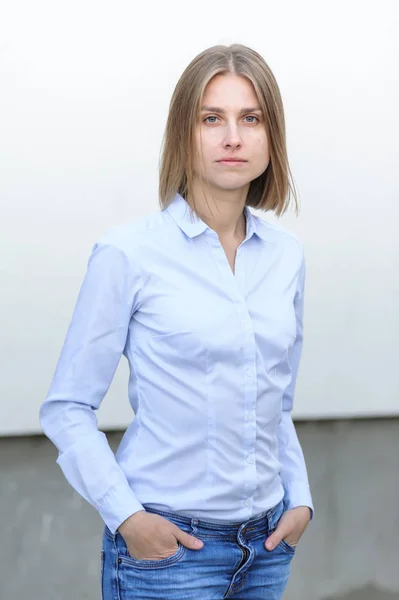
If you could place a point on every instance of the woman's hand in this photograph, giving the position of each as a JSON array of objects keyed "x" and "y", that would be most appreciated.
[
  {"x": 152, "y": 537},
  {"x": 290, "y": 527}
]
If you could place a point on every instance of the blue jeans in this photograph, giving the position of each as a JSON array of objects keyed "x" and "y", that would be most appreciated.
[{"x": 233, "y": 563}]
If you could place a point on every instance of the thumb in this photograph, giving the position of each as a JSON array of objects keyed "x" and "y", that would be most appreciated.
[
  {"x": 189, "y": 541},
  {"x": 275, "y": 538}
]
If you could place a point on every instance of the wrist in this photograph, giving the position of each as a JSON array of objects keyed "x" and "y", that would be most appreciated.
[
  {"x": 305, "y": 511},
  {"x": 127, "y": 522}
]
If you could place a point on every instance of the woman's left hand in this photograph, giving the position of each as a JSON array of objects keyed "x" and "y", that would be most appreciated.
[{"x": 290, "y": 527}]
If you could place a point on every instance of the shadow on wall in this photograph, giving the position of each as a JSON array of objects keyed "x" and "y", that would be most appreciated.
[{"x": 366, "y": 593}]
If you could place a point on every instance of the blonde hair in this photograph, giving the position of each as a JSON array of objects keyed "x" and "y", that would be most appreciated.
[{"x": 271, "y": 190}]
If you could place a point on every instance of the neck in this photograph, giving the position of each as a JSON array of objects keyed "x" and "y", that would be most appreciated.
[{"x": 222, "y": 210}]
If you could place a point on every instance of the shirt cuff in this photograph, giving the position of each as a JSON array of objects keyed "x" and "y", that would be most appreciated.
[
  {"x": 298, "y": 494},
  {"x": 117, "y": 506}
]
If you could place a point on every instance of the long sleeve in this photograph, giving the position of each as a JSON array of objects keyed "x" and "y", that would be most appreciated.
[
  {"x": 93, "y": 346},
  {"x": 293, "y": 472}
]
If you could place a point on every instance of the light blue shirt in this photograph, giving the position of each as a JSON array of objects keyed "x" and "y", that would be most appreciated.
[{"x": 213, "y": 360}]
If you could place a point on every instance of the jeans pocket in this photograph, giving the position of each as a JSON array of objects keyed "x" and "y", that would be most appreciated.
[
  {"x": 287, "y": 547},
  {"x": 283, "y": 545},
  {"x": 126, "y": 560},
  {"x": 129, "y": 561}
]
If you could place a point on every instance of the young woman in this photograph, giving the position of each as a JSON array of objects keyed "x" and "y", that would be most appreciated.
[{"x": 208, "y": 494}]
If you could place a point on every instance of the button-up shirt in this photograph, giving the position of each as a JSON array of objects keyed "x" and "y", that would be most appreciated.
[{"x": 213, "y": 359}]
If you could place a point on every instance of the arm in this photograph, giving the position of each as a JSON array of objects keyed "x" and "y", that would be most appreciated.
[
  {"x": 293, "y": 472},
  {"x": 91, "y": 352}
]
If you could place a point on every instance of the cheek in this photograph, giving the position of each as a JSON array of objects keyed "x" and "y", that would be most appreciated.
[
  {"x": 210, "y": 140},
  {"x": 261, "y": 147},
  {"x": 206, "y": 148},
  {"x": 262, "y": 141}
]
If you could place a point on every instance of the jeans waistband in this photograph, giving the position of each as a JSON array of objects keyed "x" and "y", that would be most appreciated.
[{"x": 225, "y": 526}]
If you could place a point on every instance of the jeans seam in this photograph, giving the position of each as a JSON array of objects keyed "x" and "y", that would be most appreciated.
[
  {"x": 102, "y": 573},
  {"x": 116, "y": 567}
]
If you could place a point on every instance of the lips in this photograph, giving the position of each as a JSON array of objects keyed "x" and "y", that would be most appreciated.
[{"x": 231, "y": 161}]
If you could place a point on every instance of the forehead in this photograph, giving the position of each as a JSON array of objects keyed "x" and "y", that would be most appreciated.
[{"x": 229, "y": 90}]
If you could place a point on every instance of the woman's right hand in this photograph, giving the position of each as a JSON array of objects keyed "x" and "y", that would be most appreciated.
[{"x": 149, "y": 536}]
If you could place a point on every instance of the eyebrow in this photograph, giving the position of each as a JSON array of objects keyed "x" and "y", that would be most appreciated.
[{"x": 217, "y": 109}]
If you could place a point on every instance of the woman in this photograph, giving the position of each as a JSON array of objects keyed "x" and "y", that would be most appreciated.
[{"x": 208, "y": 494}]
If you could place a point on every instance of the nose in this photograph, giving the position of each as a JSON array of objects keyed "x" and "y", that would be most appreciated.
[{"x": 232, "y": 138}]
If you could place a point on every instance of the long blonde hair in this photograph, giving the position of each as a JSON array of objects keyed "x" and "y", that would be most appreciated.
[{"x": 272, "y": 189}]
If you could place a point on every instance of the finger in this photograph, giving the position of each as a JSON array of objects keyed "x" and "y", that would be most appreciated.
[
  {"x": 189, "y": 541},
  {"x": 275, "y": 538}
]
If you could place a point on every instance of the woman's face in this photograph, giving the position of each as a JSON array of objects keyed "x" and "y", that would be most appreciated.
[{"x": 231, "y": 126}]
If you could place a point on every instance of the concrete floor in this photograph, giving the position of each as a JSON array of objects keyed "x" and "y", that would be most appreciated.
[{"x": 51, "y": 538}]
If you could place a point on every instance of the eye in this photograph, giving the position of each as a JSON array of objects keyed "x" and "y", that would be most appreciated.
[
  {"x": 252, "y": 117},
  {"x": 210, "y": 117}
]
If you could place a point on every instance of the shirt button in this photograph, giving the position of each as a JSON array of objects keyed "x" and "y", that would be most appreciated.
[
  {"x": 250, "y": 372},
  {"x": 246, "y": 325},
  {"x": 246, "y": 503},
  {"x": 250, "y": 417},
  {"x": 250, "y": 459}
]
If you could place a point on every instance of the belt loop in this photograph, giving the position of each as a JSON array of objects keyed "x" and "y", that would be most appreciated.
[{"x": 269, "y": 517}]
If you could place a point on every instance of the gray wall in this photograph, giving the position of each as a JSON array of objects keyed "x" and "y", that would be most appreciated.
[{"x": 51, "y": 538}]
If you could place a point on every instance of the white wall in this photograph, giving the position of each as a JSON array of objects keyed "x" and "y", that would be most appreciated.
[{"x": 84, "y": 93}]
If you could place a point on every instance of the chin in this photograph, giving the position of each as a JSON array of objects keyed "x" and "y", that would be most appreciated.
[{"x": 231, "y": 183}]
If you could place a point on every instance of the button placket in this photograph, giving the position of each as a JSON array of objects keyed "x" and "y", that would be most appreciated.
[
  {"x": 246, "y": 325},
  {"x": 249, "y": 383},
  {"x": 251, "y": 372},
  {"x": 250, "y": 387},
  {"x": 232, "y": 279}
]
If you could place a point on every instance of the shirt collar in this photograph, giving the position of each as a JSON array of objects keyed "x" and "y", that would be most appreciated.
[{"x": 192, "y": 225}]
